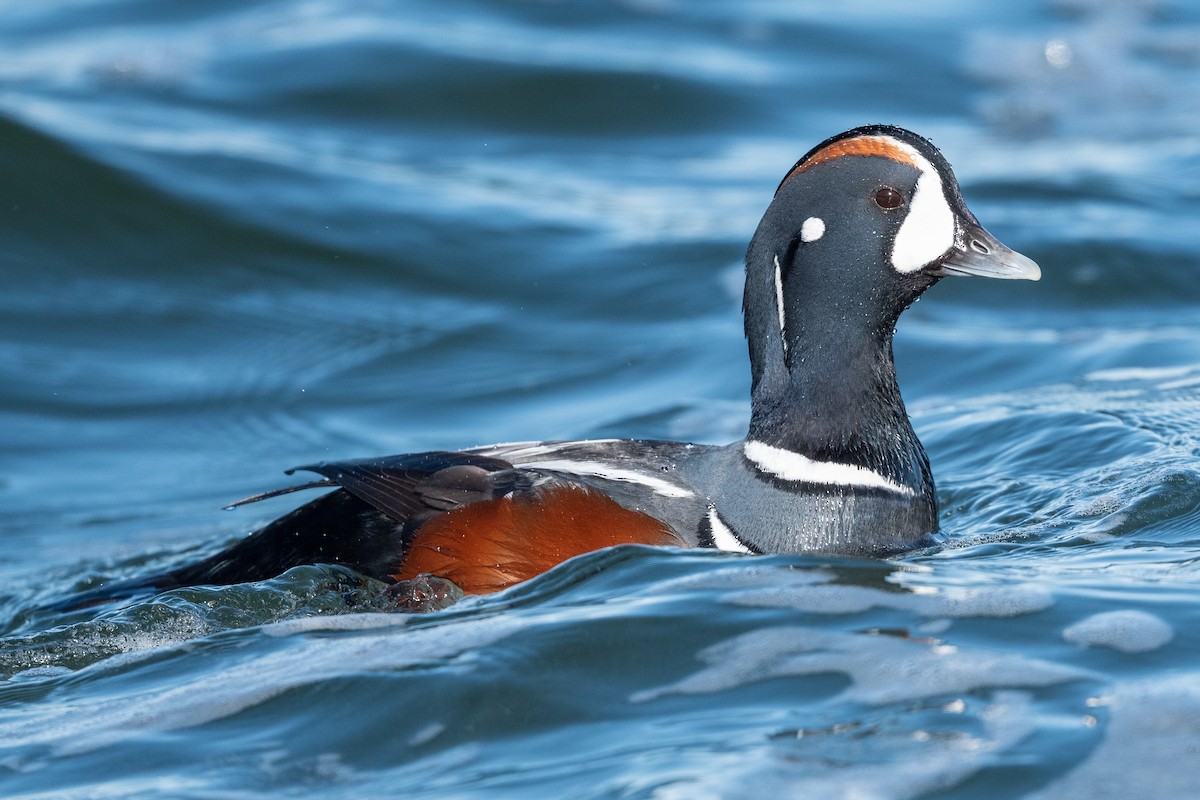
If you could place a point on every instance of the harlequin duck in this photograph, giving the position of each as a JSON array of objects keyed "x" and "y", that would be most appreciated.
[{"x": 858, "y": 229}]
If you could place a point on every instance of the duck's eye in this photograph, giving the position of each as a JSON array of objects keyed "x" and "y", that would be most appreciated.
[{"x": 889, "y": 198}]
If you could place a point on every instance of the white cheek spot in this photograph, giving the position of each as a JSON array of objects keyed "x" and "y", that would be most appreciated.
[
  {"x": 928, "y": 230},
  {"x": 812, "y": 229}
]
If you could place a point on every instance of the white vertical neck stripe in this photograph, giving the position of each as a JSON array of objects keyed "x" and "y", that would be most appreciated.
[
  {"x": 789, "y": 466},
  {"x": 779, "y": 303}
]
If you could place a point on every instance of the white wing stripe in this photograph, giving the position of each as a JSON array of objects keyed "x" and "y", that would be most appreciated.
[{"x": 597, "y": 469}]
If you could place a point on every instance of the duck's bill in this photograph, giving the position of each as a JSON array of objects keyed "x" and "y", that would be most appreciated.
[{"x": 979, "y": 254}]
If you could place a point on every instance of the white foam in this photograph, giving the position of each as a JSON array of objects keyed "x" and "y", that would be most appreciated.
[{"x": 1127, "y": 631}]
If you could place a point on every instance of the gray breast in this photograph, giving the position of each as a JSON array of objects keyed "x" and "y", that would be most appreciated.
[{"x": 776, "y": 516}]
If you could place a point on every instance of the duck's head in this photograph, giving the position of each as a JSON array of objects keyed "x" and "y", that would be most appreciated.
[{"x": 861, "y": 225}]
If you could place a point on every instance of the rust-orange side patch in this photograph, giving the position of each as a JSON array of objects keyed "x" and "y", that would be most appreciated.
[{"x": 488, "y": 546}]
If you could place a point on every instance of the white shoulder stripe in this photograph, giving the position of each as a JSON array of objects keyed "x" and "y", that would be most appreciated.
[
  {"x": 598, "y": 469},
  {"x": 789, "y": 466},
  {"x": 724, "y": 538}
]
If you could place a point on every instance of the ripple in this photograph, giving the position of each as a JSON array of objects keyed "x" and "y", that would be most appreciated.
[{"x": 882, "y": 669}]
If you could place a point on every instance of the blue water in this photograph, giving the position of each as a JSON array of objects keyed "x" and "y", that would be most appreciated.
[{"x": 240, "y": 236}]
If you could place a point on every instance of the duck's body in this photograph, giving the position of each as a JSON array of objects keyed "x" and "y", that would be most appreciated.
[{"x": 858, "y": 229}]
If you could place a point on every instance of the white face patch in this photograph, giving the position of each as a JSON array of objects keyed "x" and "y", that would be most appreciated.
[
  {"x": 812, "y": 229},
  {"x": 928, "y": 229},
  {"x": 789, "y": 466}
]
